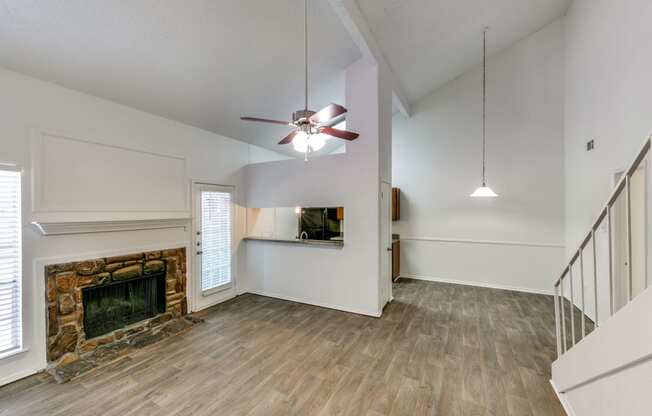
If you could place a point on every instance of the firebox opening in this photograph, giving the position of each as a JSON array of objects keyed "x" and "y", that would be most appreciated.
[{"x": 118, "y": 304}]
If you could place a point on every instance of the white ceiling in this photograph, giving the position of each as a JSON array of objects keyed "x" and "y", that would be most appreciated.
[
  {"x": 430, "y": 42},
  {"x": 201, "y": 62},
  {"x": 207, "y": 62}
]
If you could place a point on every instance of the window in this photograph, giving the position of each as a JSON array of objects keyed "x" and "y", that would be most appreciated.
[
  {"x": 10, "y": 262},
  {"x": 216, "y": 231}
]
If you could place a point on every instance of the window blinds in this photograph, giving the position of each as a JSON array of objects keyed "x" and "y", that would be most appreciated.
[
  {"x": 215, "y": 239},
  {"x": 10, "y": 262}
]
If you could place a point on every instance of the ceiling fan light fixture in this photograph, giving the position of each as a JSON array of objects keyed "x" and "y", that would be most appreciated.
[
  {"x": 300, "y": 142},
  {"x": 303, "y": 142},
  {"x": 316, "y": 141}
]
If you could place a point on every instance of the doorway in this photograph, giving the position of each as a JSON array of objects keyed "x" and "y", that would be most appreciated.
[
  {"x": 213, "y": 232},
  {"x": 638, "y": 238}
]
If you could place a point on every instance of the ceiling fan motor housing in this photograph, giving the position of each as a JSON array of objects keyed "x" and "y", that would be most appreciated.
[{"x": 302, "y": 116}]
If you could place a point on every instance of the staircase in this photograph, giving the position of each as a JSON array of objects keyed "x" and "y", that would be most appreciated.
[{"x": 603, "y": 307}]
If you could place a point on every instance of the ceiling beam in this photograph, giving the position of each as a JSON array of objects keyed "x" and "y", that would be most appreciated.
[{"x": 357, "y": 26}]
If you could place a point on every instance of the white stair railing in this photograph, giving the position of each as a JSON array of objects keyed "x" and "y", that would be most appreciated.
[{"x": 606, "y": 213}]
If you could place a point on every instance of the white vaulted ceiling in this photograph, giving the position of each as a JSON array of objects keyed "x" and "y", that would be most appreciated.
[
  {"x": 207, "y": 62},
  {"x": 429, "y": 42},
  {"x": 201, "y": 62}
]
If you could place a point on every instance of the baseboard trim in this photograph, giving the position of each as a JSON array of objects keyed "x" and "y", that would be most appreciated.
[
  {"x": 562, "y": 399},
  {"x": 477, "y": 284},
  {"x": 313, "y": 303},
  {"x": 19, "y": 375}
]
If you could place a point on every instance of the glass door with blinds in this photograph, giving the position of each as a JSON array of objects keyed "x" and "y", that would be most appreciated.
[
  {"x": 213, "y": 244},
  {"x": 10, "y": 263}
]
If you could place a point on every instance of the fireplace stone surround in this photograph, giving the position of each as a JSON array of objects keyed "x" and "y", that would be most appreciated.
[{"x": 69, "y": 352}]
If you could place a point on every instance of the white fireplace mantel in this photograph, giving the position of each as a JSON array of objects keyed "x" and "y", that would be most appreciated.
[{"x": 85, "y": 227}]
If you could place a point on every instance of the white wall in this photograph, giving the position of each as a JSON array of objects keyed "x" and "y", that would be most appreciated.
[
  {"x": 607, "y": 90},
  {"x": 437, "y": 164},
  {"x": 343, "y": 278},
  {"x": 607, "y": 98},
  {"x": 27, "y": 104}
]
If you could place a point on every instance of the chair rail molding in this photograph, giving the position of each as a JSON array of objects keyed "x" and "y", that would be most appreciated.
[{"x": 484, "y": 242}]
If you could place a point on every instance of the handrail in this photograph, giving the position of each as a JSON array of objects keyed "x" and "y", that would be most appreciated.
[{"x": 623, "y": 185}]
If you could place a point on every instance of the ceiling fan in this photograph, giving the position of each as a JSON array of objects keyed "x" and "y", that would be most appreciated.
[{"x": 311, "y": 128}]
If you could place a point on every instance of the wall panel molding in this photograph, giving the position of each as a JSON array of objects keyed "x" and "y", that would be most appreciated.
[{"x": 76, "y": 180}]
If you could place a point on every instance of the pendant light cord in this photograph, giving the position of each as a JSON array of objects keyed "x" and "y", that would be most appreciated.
[
  {"x": 305, "y": 49},
  {"x": 484, "y": 101}
]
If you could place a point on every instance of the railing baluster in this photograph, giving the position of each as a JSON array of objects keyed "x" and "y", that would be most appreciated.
[
  {"x": 572, "y": 303},
  {"x": 557, "y": 321},
  {"x": 582, "y": 286},
  {"x": 563, "y": 314},
  {"x": 611, "y": 271},
  {"x": 595, "y": 279},
  {"x": 628, "y": 229}
]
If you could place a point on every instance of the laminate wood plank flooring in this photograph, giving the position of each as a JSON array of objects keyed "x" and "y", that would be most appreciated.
[{"x": 439, "y": 349}]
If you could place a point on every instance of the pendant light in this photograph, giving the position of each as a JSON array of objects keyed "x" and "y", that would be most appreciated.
[{"x": 484, "y": 191}]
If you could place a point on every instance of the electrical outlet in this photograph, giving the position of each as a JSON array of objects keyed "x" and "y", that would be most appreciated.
[{"x": 590, "y": 145}]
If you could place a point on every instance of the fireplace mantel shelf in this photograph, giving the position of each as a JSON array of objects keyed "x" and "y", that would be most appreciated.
[{"x": 85, "y": 227}]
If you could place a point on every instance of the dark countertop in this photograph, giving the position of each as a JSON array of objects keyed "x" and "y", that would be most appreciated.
[{"x": 329, "y": 243}]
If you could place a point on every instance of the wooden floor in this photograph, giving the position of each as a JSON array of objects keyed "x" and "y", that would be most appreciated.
[{"x": 439, "y": 349}]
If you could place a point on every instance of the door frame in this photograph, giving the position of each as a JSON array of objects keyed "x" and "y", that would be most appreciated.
[
  {"x": 617, "y": 175},
  {"x": 199, "y": 300},
  {"x": 385, "y": 294}
]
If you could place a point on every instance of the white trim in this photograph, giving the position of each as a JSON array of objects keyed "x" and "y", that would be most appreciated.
[
  {"x": 11, "y": 353},
  {"x": 6, "y": 379},
  {"x": 374, "y": 314},
  {"x": 485, "y": 242},
  {"x": 607, "y": 373},
  {"x": 85, "y": 227},
  {"x": 478, "y": 284},
  {"x": 217, "y": 289},
  {"x": 218, "y": 301},
  {"x": 12, "y": 167},
  {"x": 563, "y": 400},
  {"x": 44, "y": 261}
]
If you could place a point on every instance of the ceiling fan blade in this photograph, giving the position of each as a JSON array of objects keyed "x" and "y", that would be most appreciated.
[
  {"x": 340, "y": 134},
  {"x": 327, "y": 113},
  {"x": 265, "y": 120},
  {"x": 288, "y": 138}
]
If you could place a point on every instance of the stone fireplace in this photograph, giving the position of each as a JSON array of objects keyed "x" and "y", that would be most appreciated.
[{"x": 98, "y": 307}]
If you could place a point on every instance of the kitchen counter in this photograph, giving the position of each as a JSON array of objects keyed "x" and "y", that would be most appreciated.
[{"x": 328, "y": 243}]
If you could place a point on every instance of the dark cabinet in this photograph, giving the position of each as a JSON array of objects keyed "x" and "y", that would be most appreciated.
[
  {"x": 396, "y": 259},
  {"x": 396, "y": 204}
]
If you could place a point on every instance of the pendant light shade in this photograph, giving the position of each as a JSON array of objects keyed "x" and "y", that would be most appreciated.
[{"x": 484, "y": 191}]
